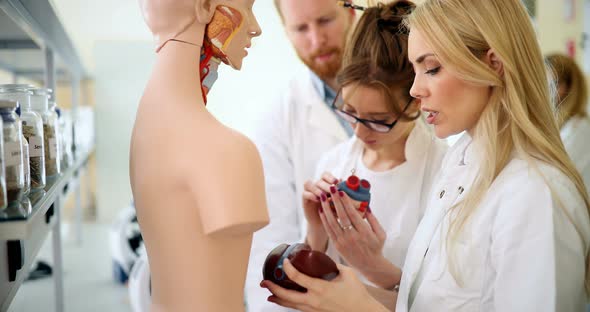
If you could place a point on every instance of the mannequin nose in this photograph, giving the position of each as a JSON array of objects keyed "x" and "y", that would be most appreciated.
[{"x": 255, "y": 29}]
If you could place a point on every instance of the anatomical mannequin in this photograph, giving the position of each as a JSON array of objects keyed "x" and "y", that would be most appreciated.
[{"x": 198, "y": 185}]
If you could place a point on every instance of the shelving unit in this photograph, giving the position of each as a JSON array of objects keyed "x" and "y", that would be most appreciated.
[
  {"x": 25, "y": 231},
  {"x": 35, "y": 46}
]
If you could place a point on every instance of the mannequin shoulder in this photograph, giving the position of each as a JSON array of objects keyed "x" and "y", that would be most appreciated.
[
  {"x": 228, "y": 147},
  {"x": 227, "y": 182}
]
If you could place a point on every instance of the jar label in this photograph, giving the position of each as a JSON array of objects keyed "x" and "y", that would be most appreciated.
[
  {"x": 13, "y": 154},
  {"x": 52, "y": 148},
  {"x": 35, "y": 146}
]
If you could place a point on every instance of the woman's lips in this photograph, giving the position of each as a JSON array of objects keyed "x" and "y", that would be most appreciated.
[
  {"x": 431, "y": 118},
  {"x": 432, "y": 115}
]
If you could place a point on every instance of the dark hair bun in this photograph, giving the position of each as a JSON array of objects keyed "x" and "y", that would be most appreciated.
[{"x": 389, "y": 17}]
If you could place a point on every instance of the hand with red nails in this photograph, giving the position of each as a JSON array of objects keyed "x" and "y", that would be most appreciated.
[
  {"x": 359, "y": 242},
  {"x": 344, "y": 293},
  {"x": 316, "y": 237}
]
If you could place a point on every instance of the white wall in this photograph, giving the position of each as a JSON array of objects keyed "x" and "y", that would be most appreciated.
[
  {"x": 122, "y": 69},
  {"x": 237, "y": 97},
  {"x": 121, "y": 74}
]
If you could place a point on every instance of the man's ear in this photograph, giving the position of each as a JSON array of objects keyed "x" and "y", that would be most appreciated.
[
  {"x": 494, "y": 62},
  {"x": 205, "y": 10}
]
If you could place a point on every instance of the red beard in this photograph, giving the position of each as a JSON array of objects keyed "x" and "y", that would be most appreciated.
[{"x": 325, "y": 70}]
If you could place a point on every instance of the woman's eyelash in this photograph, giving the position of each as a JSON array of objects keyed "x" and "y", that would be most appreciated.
[{"x": 433, "y": 71}]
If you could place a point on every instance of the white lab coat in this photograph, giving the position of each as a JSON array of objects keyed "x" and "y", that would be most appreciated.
[
  {"x": 290, "y": 139},
  {"x": 519, "y": 252},
  {"x": 398, "y": 196},
  {"x": 575, "y": 135}
]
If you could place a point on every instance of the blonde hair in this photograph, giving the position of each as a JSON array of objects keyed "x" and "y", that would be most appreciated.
[
  {"x": 519, "y": 115},
  {"x": 565, "y": 71}
]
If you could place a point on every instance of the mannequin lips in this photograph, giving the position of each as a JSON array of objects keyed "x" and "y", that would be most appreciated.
[{"x": 312, "y": 263}]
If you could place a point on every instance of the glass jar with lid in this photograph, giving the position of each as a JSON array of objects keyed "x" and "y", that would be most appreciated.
[
  {"x": 40, "y": 104},
  {"x": 13, "y": 155},
  {"x": 32, "y": 128},
  {"x": 3, "y": 201},
  {"x": 57, "y": 147},
  {"x": 26, "y": 167},
  {"x": 65, "y": 128}
]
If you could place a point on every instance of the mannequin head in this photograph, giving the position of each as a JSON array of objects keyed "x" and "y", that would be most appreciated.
[{"x": 229, "y": 25}]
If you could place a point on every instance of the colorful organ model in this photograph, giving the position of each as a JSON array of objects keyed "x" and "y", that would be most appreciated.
[{"x": 358, "y": 190}]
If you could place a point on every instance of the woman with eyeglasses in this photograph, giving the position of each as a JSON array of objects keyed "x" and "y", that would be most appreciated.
[
  {"x": 392, "y": 148},
  {"x": 508, "y": 226}
]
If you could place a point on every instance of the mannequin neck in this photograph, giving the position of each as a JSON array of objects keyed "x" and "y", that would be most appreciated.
[
  {"x": 208, "y": 67},
  {"x": 177, "y": 71}
]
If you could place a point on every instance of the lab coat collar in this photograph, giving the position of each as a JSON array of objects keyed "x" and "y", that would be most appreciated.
[
  {"x": 463, "y": 152},
  {"x": 418, "y": 141},
  {"x": 319, "y": 115}
]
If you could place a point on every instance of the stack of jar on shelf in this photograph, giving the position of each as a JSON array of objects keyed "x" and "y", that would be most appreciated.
[{"x": 33, "y": 144}]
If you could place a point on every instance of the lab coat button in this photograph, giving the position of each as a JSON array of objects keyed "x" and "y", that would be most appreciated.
[
  {"x": 442, "y": 194},
  {"x": 461, "y": 189}
]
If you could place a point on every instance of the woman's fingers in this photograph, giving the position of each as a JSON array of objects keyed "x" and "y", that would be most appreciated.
[
  {"x": 329, "y": 178},
  {"x": 343, "y": 217},
  {"x": 312, "y": 188},
  {"x": 331, "y": 218},
  {"x": 376, "y": 226},
  {"x": 287, "y": 297},
  {"x": 305, "y": 281},
  {"x": 327, "y": 227},
  {"x": 354, "y": 216}
]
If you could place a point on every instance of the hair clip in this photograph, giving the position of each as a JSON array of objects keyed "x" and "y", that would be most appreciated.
[{"x": 350, "y": 5}]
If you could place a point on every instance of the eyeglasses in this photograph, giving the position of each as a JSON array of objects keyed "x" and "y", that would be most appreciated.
[{"x": 377, "y": 126}]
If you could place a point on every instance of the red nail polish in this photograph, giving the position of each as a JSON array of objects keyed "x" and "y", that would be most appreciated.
[
  {"x": 318, "y": 198},
  {"x": 323, "y": 197},
  {"x": 341, "y": 193},
  {"x": 333, "y": 189},
  {"x": 321, "y": 209},
  {"x": 335, "y": 181}
]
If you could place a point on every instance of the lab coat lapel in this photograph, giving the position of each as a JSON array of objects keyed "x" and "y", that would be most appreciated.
[
  {"x": 321, "y": 118},
  {"x": 444, "y": 196}
]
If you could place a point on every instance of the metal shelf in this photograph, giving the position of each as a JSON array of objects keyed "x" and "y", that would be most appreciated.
[
  {"x": 31, "y": 230},
  {"x": 30, "y": 28},
  {"x": 16, "y": 224},
  {"x": 35, "y": 45}
]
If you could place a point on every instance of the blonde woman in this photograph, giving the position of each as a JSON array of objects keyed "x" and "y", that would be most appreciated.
[
  {"x": 572, "y": 105},
  {"x": 508, "y": 227}
]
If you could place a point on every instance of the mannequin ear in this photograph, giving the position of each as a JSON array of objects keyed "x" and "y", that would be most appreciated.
[
  {"x": 205, "y": 10},
  {"x": 494, "y": 62}
]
